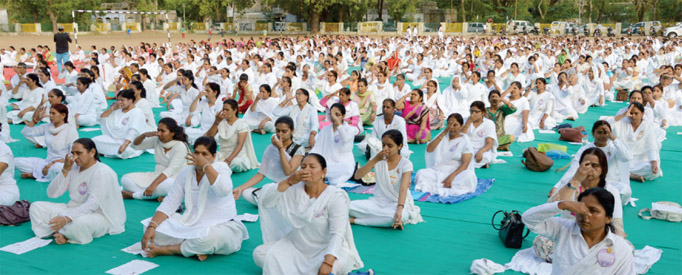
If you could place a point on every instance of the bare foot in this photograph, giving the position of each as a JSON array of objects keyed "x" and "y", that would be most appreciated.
[
  {"x": 127, "y": 194},
  {"x": 155, "y": 250},
  {"x": 202, "y": 257},
  {"x": 637, "y": 178},
  {"x": 59, "y": 238},
  {"x": 160, "y": 199},
  {"x": 27, "y": 176},
  {"x": 38, "y": 146},
  {"x": 352, "y": 220},
  {"x": 486, "y": 166}
]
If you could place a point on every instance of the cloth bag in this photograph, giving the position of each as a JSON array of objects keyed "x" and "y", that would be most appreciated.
[
  {"x": 622, "y": 95},
  {"x": 510, "y": 229},
  {"x": 663, "y": 210},
  {"x": 536, "y": 160},
  {"x": 15, "y": 214},
  {"x": 572, "y": 134}
]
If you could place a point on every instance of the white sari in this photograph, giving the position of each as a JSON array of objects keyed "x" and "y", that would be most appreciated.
[
  {"x": 442, "y": 162},
  {"x": 513, "y": 123},
  {"x": 337, "y": 149}
]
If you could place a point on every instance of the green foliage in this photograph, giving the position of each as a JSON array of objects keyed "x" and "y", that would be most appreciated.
[{"x": 398, "y": 8}]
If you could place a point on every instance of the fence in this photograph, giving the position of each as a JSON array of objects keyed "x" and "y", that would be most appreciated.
[
  {"x": 199, "y": 26},
  {"x": 454, "y": 27},
  {"x": 370, "y": 27},
  {"x": 406, "y": 25},
  {"x": 332, "y": 27},
  {"x": 295, "y": 27},
  {"x": 132, "y": 26},
  {"x": 32, "y": 27},
  {"x": 262, "y": 26}
]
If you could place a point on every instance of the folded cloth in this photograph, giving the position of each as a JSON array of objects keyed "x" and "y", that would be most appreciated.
[
  {"x": 526, "y": 261},
  {"x": 481, "y": 187},
  {"x": 556, "y": 154},
  {"x": 484, "y": 266}
]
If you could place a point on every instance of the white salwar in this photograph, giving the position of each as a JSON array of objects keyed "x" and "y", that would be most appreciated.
[
  {"x": 513, "y": 123},
  {"x": 563, "y": 105},
  {"x": 263, "y": 110},
  {"x": 228, "y": 138},
  {"x": 85, "y": 106},
  {"x": 380, "y": 209},
  {"x": 373, "y": 140},
  {"x": 337, "y": 149},
  {"x": 456, "y": 101},
  {"x": 618, "y": 158},
  {"x": 642, "y": 144},
  {"x": 31, "y": 98},
  {"x": 58, "y": 141},
  {"x": 168, "y": 163},
  {"x": 118, "y": 127},
  {"x": 443, "y": 161},
  {"x": 180, "y": 106},
  {"x": 305, "y": 121},
  {"x": 299, "y": 231},
  {"x": 205, "y": 114},
  {"x": 95, "y": 206},
  {"x": 477, "y": 136},
  {"x": 571, "y": 253},
  {"x": 207, "y": 226},
  {"x": 9, "y": 192}
]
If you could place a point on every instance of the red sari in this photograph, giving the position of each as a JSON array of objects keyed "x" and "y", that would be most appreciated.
[{"x": 242, "y": 97}]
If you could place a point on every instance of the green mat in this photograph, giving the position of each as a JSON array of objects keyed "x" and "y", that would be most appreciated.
[{"x": 450, "y": 239}]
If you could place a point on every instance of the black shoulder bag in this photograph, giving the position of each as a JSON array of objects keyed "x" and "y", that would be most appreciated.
[{"x": 510, "y": 228}]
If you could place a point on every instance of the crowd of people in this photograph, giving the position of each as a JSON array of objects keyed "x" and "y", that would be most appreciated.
[{"x": 319, "y": 97}]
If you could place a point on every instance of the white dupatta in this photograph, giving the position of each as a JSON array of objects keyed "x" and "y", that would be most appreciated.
[
  {"x": 384, "y": 182},
  {"x": 64, "y": 136},
  {"x": 301, "y": 119},
  {"x": 228, "y": 131}
]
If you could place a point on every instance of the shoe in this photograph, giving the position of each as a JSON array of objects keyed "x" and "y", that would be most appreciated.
[{"x": 251, "y": 195}]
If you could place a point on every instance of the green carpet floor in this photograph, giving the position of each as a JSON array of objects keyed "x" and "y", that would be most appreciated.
[{"x": 450, "y": 239}]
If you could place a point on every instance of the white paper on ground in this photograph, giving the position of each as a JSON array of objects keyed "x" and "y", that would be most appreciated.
[
  {"x": 546, "y": 131},
  {"x": 605, "y": 117},
  {"x": 679, "y": 133},
  {"x": 645, "y": 258},
  {"x": 576, "y": 143},
  {"x": 26, "y": 246},
  {"x": 89, "y": 129},
  {"x": 504, "y": 154},
  {"x": 133, "y": 267},
  {"x": 135, "y": 249},
  {"x": 246, "y": 217},
  {"x": 499, "y": 161},
  {"x": 632, "y": 202}
]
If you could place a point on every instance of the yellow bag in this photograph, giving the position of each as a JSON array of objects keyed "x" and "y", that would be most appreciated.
[{"x": 545, "y": 147}]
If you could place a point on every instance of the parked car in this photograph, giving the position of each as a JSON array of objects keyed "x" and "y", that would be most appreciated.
[
  {"x": 518, "y": 26},
  {"x": 570, "y": 27},
  {"x": 673, "y": 31},
  {"x": 645, "y": 25},
  {"x": 475, "y": 27}
]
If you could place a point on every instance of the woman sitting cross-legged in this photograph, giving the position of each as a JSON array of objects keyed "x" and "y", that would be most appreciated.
[
  {"x": 481, "y": 132},
  {"x": 234, "y": 137},
  {"x": 392, "y": 205},
  {"x": 208, "y": 225},
  {"x": 305, "y": 225},
  {"x": 280, "y": 160},
  {"x": 92, "y": 210},
  {"x": 586, "y": 245},
  {"x": 170, "y": 149},
  {"x": 120, "y": 125},
  {"x": 335, "y": 143},
  {"x": 449, "y": 162},
  {"x": 259, "y": 115},
  {"x": 416, "y": 116},
  {"x": 304, "y": 115},
  {"x": 58, "y": 135},
  {"x": 387, "y": 120}
]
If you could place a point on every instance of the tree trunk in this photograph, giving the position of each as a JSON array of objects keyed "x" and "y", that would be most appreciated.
[
  {"x": 542, "y": 16},
  {"x": 464, "y": 15},
  {"x": 315, "y": 22},
  {"x": 341, "y": 12},
  {"x": 380, "y": 9},
  {"x": 590, "y": 14},
  {"x": 35, "y": 17}
]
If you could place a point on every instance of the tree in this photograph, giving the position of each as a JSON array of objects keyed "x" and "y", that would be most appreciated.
[
  {"x": 640, "y": 7},
  {"x": 398, "y": 8},
  {"x": 316, "y": 8},
  {"x": 380, "y": 9}
]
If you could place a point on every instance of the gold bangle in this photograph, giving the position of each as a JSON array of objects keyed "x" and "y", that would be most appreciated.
[{"x": 330, "y": 265}]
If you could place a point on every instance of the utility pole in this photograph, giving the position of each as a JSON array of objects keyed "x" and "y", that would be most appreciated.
[
  {"x": 183, "y": 13},
  {"x": 580, "y": 9}
]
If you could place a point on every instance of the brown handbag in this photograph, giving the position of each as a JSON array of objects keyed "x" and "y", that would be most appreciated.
[
  {"x": 572, "y": 134},
  {"x": 622, "y": 95},
  {"x": 536, "y": 161}
]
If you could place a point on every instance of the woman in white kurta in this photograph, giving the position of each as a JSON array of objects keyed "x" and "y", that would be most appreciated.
[
  {"x": 433, "y": 100},
  {"x": 335, "y": 143},
  {"x": 386, "y": 121},
  {"x": 563, "y": 105},
  {"x": 618, "y": 157},
  {"x": 142, "y": 103},
  {"x": 120, "y": 125},
  {"x": 304, "y": 115},
  {"x": 208, "y": 225},
  {"x": 9, "y": 192},
  {"x": 234, "y": 138},
  {"x": 203, "y": 112},
  {"x": 481, "y": 133},
  {"x": 392, "y": 204},
  {"x": 639, "y": 137},
  {"x": 280, "y": 160},
  {"x": 259, "y": 117},
  {"x": 305, "y": 225},
  {"x": 180, "y": 98},
  {"x": 58, "y": 136},
  {"x": 542, "y": 115},
  {"x": 54, "y": 97},
  {"x": 170, "y": 149},
  {"x": 586, "y": 245},
  {"x": 517, "y": 123},
  {"x": 455, "y": 97},
  {"x": 578, "y": 96},
  {"x": 150, "y": 88},
  {"x": 593, "y": 88},
  {"x": 23, "y": 110},
  {"x": 449, "y": 162},
  {"x": 93, "y": 209},
  {"x": 83, "y": 105}
]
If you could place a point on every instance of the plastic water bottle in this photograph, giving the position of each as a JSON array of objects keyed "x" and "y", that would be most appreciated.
[{"x": 584, "y": 141}]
